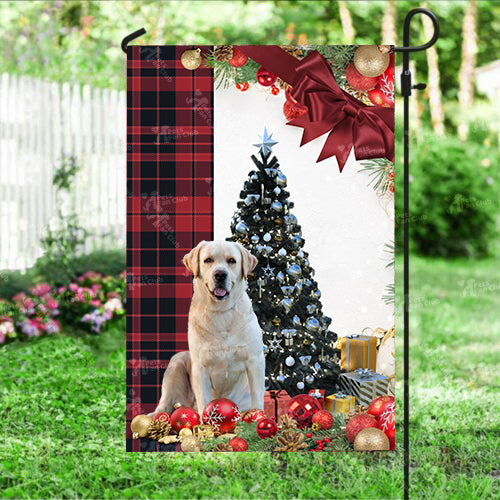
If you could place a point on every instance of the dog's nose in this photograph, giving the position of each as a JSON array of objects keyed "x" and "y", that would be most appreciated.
[{"x": 220, "y": 275}]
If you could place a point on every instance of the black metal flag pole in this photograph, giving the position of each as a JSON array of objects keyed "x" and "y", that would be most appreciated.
[{"x": 406, "y": 88}]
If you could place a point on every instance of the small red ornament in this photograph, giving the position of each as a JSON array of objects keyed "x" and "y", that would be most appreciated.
[
  {"x": 266, "y": 427},
  {"x": 383, "y": 93},
  {"x": 387, "y": 424},
  {"x": 292, "y": 108},
  {"x": 309, "y": 435},
  {"x": 265, "y": 78},
  {"x": 239, "y": 59},
  {"x": 162, "y": 416},
  {"x": 222, "y": 414},
  {"x": 238, "y": 444},
  {"x": 379, "y": 405},
  {"x": 324, "y": 418},
  {"x": 391, "y": 175},
  {"x": 358, "y": 423},
  {"x": 184, "y": 417},
  {"x": 327, "y": 440},
  {"x": 251, "y": 416},
  {"x": 275, "y": 90},
  {"x": 302, "y": 408},
  {"x": 238, "y": 85},
  {"x": 391, "y": 187},
  {"x": 358, "y": 81},
  {"x": 245, "y": 86}
]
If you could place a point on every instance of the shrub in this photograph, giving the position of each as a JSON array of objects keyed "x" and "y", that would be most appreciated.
[
  {"x": 453, "y": 197},
  {"x": 107, "y": 262},
  {"x": 12, "y": 282}
]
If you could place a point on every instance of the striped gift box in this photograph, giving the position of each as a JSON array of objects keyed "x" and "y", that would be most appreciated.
[{"x": 364, "y": 384}]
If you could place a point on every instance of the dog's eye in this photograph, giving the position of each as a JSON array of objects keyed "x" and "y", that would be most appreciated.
[
  {"x": 231, "y": 261},
  {"x": 207, "y": 260}
]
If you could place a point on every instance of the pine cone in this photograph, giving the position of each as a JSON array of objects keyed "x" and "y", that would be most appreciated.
[
  {"x": 291, "y": 441},
  {"x": 358, "y": 94},
  {"x": 293, "y": 51},
  {"x": 223, "y": 53},
  {"x": 357, "y": 410},
  {"x": 286, "y": 422},
  {"x": 222, "y": 446},
  {"x": 158, "y": 429},
  {"x": 283, "y": 85}
]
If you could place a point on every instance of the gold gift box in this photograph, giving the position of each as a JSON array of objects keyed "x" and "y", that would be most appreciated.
[
  {"x": 342, "y": 404},
  {"x": 358, "y": 351}
]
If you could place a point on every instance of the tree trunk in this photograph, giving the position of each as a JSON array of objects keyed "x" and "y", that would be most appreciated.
[
  {"x": 436, "y": 106},
  {"x": 466, "y": 75},
  {"x": 389, "y": 34},
  {"x": 346, "y": 20}
]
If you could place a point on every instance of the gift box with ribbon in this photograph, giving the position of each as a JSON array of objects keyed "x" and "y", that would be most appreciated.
[
  {"x": 275, "y": 402},
  {"x": 358, "y": 351},
  {"x": 365, "y": 384},
  {"x": 339, "y": 403},
  {"x": 319, "y": 394}
]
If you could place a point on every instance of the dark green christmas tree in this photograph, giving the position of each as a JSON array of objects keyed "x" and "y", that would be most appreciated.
[{"x": 285, "y": 296}]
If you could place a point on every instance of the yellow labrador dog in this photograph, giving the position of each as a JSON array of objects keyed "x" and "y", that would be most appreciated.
[{"x": 225, "y": 357}]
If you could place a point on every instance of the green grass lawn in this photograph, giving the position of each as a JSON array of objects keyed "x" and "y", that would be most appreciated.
[{"x": 63, "y": 414}]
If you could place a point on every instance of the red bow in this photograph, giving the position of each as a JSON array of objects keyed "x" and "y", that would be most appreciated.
[{"x": 370, "y": 129}]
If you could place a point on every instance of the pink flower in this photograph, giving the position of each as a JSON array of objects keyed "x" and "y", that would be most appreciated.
[
  {"x": 51, "y": 303},
  {"x": 2, "y": 337},
  {"x": 42, "y": 308},
  {"x": 19, "y": 297},
  {"x": 40, "y": 289},
  {"x": 61, "y": 289},
  {"x": 51, "y": 326},
  {"x": 73, "y": 287},
  {"x": 95, "y": 302}
]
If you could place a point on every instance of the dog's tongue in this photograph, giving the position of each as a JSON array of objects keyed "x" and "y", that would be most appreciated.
[{"x": 220, "y": 291}]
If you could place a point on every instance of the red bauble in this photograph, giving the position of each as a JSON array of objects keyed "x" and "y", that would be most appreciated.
[
  {"x": 265, "y": 78},
  {"x": 266, "y": 427},
  {"x": 184, "y": 417},
  {"x": 383, "y": 93},
  {"x": 163, "y": 416},
  {"x": 275, "y": 90},
  {"x": 222, "y": 414},
  {"x": 379, "y": 405},
  {"x": 324, "y": 418},
  {"x": 239, "y": 59},
  {"x": 293, "y": 109},
  {"x": 251, "y": 416},
  {"x": 358, "y": 81},
  {"x": 378, "y": 98},
  {"x": 238, "y": 444},
  {"x": 302, "y": 408},
  {"x": 386, "y": 423},
  {"x": 358, "y": 423}
]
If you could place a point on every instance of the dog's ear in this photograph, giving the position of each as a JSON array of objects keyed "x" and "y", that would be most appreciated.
[
  {"x": 248, "y": 261},
  {"x": 192, "y": 261}
]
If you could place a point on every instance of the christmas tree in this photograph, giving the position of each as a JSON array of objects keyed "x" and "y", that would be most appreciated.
[{"x": 285, "y": 296}]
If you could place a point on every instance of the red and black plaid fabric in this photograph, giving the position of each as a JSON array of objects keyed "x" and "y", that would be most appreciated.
[{"x": 169, "y": 210}]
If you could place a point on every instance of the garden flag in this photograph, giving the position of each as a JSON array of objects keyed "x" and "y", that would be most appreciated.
[{"x": 260, "y": 241}]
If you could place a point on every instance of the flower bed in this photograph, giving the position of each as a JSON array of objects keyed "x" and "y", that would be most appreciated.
[{"x": 92, "y": 303}]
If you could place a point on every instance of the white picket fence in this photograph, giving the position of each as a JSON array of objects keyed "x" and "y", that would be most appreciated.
[{"x": 40, "y": 121}]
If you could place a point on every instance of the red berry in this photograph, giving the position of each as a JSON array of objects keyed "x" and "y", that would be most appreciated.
[
  {"x": 327, "y": 440},
  {"x": 391, "y": 187},
  {"x": 318, "y": 441},
  {"x": 309, "y": 435},
  {"x": 245, "y": 86},
  {"x": 275, "y": 90},
  {"x": 391, "y": 175},
  {"x": 238, "y": 85}
]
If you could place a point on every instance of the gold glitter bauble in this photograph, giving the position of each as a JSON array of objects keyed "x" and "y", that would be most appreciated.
[
  {"x": 369, "y": 61},
  {"x": 186, "y": 431},
  {"x": 140, "y": 425},
  {"x": 385, "y": 49},
  {"x": 276, "y": 321},
  {"x": 191, "y": 59},
  {"x": 191, "y": 443},
  {"x": 305, "y": 342},
  {"x": 371, "y": 439}
]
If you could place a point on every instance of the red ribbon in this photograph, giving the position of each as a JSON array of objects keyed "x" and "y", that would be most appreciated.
[{"x": 370, "y": 129}]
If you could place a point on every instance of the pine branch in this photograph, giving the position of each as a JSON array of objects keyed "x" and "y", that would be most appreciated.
[
  {"x": 389, "y": 297},
  {"x": 378, "y": 170},
  {"x": 390, "y": 249}
]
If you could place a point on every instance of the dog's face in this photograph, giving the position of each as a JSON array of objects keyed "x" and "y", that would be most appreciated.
[{"x": 220, "y": 267}]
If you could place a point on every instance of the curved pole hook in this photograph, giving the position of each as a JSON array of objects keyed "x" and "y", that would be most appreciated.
[
  {"x": 132, "y": 36},
  {"x": 406, "y": 31}
]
